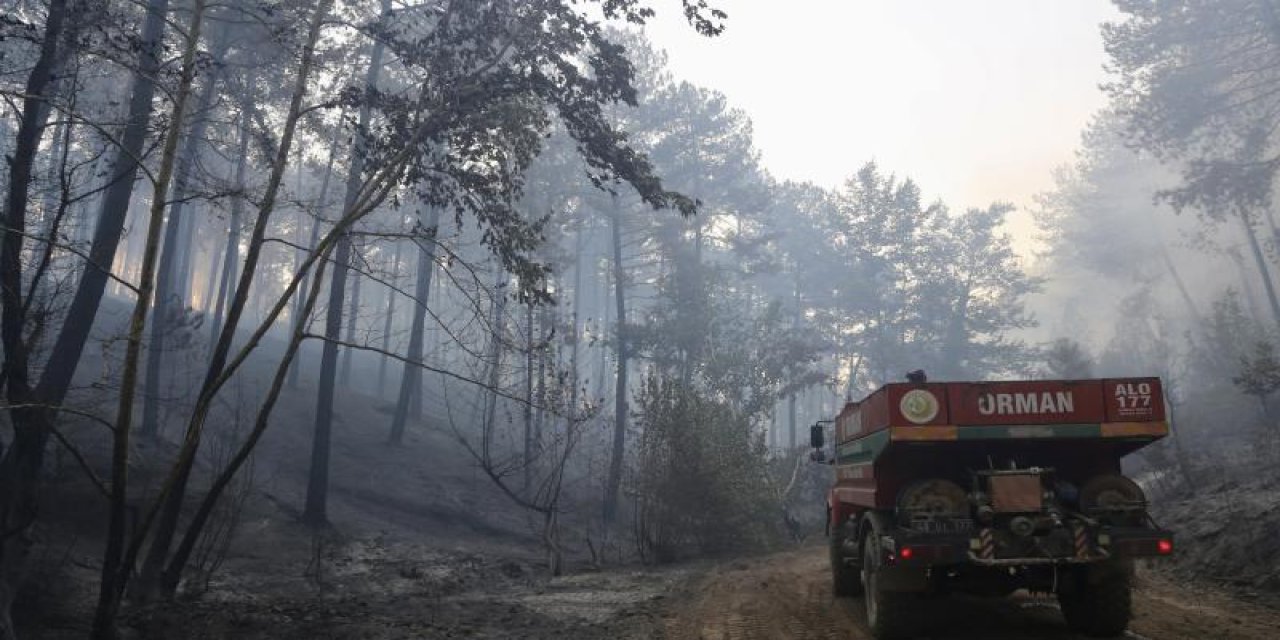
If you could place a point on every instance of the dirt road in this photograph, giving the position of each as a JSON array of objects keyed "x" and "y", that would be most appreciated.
[{"x": 789, "y": 596}]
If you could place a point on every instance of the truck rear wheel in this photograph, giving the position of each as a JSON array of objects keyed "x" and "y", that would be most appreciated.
[
  {"x": 891, "y": 615},
  {"x": 1098, "y": 605},
  {"x": 846, "y": 578}
]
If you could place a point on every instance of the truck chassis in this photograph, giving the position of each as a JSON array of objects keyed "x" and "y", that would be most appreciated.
[{"x": 923, "y": 507}]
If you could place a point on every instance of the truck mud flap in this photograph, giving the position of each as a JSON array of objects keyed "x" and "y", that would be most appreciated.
[{"x": 904, "y": 578}]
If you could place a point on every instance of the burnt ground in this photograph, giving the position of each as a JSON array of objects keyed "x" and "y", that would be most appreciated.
[
  {"x": 421, "y": 543},
  {"x": 283, "y": 581},
  {"x": 372, "y": 592},
  {"x": 1227, "y": 534},
  {"x": 378, "y": 591}
]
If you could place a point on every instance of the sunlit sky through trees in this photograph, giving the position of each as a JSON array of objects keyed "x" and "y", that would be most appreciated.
[{"x": 977, "y": 101}]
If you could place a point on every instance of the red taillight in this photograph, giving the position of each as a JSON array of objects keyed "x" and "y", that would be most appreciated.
[
  {"x": 1164, "y": 547},
  {"x": 906, "y": 552}
]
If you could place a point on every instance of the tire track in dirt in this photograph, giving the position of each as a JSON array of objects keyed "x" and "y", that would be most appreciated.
[
  {"x": 788, "y": 595},
  {"x": 773, "y": 597}
]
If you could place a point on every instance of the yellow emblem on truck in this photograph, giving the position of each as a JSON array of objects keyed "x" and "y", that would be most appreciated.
[{"x": 918, "y": 406}]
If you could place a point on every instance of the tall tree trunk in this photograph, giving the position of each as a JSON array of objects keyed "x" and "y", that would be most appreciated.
[
  {"x": 1261, "y": 263},
  {"x": 604, "y": 350},
  {"x": 575, "y": 319},
  {"x": 773, "y": 428},
  {"x": 57, "y": 155},
  {"x": 21, "y": 462},
  {"x": 614, "y": 481},
  {"x": 544, "y": 352},
  {"x": 56, "y": 206},
  {"x": 180, "y": 279},
  {"x": 169, "y": 302},
  {"x": 211, "y": 278},
  {"x": 315, "y": 237},
  {"x": 387, "y": 321},
  {"x": 69, "y": 345},
  {"x": 114, "y": 574},
  {"x": 231, "y": 254},
  {"x": 791, "y": 421},
  {"x": 691, "y": 274},
  {"x": 495, "y": 364},
  {"x": 439, "y": 347},
  {"x": 353, "y": 314},
  {"x": 316, "y": 511},
  {"x": 528, "y": 396},
  {"x": 956, "y": 352},
  {"x": 411, "y": 377},
  {"x": 791, "y": 398},
  {"x": 1246, "y": 285},
  {"x": 1187, "y": 300}
]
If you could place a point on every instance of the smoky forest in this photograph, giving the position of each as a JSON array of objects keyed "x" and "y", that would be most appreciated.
[{"x": 477, "y": 318}]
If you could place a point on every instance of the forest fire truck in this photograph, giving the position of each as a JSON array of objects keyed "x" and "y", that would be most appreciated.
[{"x": 990, "y": 487}]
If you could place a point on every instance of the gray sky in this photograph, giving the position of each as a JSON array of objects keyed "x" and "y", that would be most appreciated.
[{"x": 977, "y": 100}]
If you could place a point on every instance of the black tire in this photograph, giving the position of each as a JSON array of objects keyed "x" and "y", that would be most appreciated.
[
  {"x": 846, "y": 578},
  {"x": 1098, "y": 603},
  {"x": 891, "y": 615}
]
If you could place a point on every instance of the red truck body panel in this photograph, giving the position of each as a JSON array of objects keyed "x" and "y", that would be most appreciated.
[{"x": 904, "y": 432}]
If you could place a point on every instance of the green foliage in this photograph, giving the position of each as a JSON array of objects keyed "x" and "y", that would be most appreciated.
[
  {"x": 703, "y": 477},
  {"x": 749, "y": 357},
  {"x": 491, "y": 82},
  {"x": 920, "y": 287}
]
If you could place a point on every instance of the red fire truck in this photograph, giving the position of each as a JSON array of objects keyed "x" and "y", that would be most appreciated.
[{"x": 991, "y": 487}]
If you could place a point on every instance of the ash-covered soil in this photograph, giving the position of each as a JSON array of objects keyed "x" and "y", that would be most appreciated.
[
  {"x": 373, "y": 590},
  {"x": 1228, "y": 533}
]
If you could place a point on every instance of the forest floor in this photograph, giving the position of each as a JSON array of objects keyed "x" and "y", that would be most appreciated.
[
  {"x": 374, "y": 592},
  {"x": 382, "y": 592}
]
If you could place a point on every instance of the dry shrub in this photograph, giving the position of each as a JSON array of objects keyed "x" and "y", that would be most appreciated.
[{"x": 703, "y": 481}]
